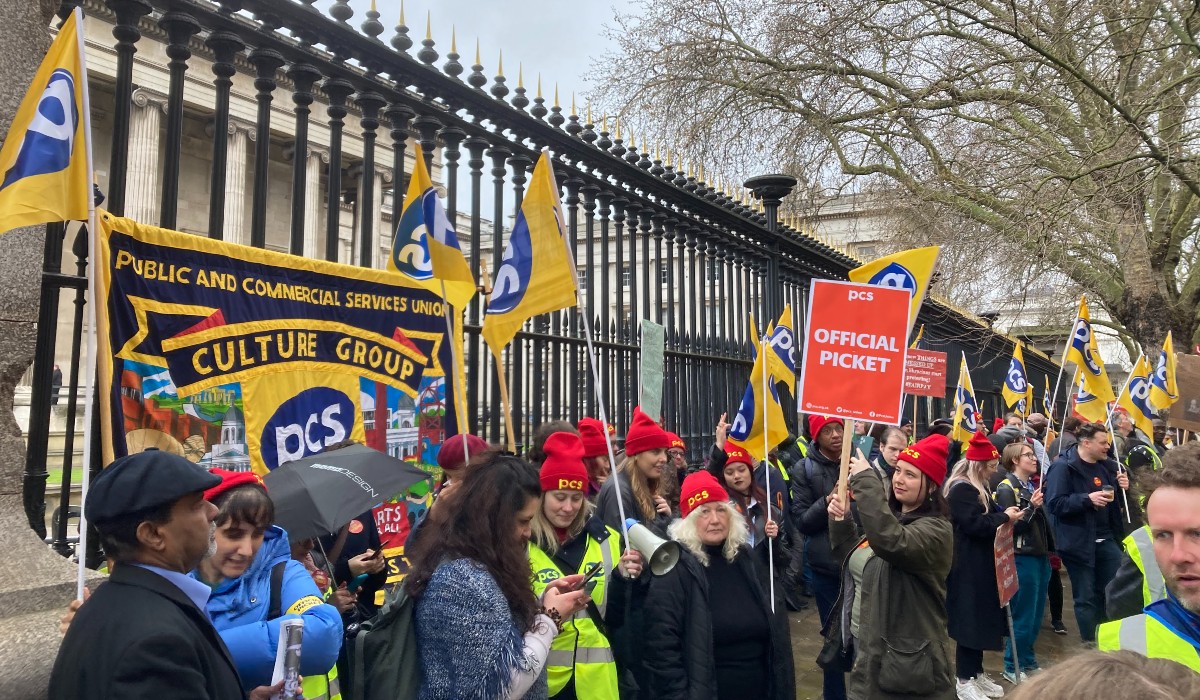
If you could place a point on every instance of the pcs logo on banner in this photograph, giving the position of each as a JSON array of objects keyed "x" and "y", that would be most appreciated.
[{"x": 306, "y": 424}]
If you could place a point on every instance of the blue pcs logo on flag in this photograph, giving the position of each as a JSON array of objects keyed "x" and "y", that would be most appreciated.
[
  {"x": 48, "y": 143},
  {"x": 512, "y": 279},
  {"x": 739, "y": 429},
  {"x": 895, "y": 275},
  {"x": 1015, "y": 379},
  {"x": 412, "y": 258},
  {"x": 1082, "y": 342}
]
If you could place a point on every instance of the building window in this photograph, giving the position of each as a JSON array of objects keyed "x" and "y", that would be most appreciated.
[
  {"x": 866, "y": 251},
  {"x": 664, "y": 274},
  {"x": 583, "y": 278},
  {"x": 716, "y": 272},
  {"x": 626, "y": 274}
]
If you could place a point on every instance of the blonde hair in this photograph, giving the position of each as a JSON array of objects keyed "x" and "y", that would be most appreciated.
[
  {"x": 1093, "y": 674},
  {"x": 684, "y": 532},
  {"x": 543, "y": 530},
  {"x": 972, "y": 472},
  {"x": 644, "y": 489}
]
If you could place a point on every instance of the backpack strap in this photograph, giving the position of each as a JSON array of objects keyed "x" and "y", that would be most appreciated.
[{"x": 275, "y": 609}]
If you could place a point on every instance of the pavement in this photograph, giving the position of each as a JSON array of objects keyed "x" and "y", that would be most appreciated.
[{"x": 806, "y": 644}]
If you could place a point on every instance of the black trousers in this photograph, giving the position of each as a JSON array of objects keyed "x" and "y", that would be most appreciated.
[
  {"x": 968, "y": 662},
  {"x": 1055, "y": 595}
]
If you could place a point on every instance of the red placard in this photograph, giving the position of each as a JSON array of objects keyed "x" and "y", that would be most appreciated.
[
  {"x": 1006, "y": 564},
  {"x": 925, "y": 373},
  {"x": 854, "y": 350}
]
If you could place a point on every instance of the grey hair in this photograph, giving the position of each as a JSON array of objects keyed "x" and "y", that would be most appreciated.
[{"x": 684, "y": 532}]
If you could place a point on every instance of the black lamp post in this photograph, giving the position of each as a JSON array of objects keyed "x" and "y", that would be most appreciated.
[{"x": 771, "y": 189}]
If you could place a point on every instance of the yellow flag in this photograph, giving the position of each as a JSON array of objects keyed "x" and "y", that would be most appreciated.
[
  {"x": 917, "y": 340},
  {"x": 1048, "y": 400},
  {"x": 537, "y": 275},
  {"x": 757, "y": 412},
  {"x": 1163, "y": 389},
  {"x": 1016, "y": 390},
  {"x": 1082, "y": 350},
  {"x": 425, "y": 247},
  {"x": 908, "y": 269},
  {"x": 966, "y": 409},
  {"x": 1087, "y": 404},
  {"x": 781, "y": 362},
  {"x": 1134, "y": 397},
  {"x": 44, "y": 161}
]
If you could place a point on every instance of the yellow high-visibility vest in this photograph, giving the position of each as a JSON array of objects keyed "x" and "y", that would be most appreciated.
[
  {"x": 1140, "y": 547},
  {"x": 1148, "y": 637},
  {"x": 581, "y": 650},
  {"x": 326, "y": 686}
]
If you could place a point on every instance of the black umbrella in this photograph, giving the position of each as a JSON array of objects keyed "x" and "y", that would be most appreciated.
[{"x": 319, "y": 494}]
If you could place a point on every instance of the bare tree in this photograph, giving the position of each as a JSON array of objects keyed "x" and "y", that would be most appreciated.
[{"x": 1064, "y": 128}]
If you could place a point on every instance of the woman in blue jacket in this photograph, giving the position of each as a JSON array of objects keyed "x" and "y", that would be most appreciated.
[{"x": 248, "y": 547}]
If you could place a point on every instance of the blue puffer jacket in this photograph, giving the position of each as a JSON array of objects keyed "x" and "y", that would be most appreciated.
[{"x": 238, "y": 608}]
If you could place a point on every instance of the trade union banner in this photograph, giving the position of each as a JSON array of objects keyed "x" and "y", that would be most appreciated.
[{"x": 245, "y": 359}]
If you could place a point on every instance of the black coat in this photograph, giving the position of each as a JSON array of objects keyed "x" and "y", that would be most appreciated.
[
  {"x": 139, "y": 637},
  {"x": 973, "y": 610},
  {"x": 812, "y": 481},
  {"x": 679, "y": 637}
]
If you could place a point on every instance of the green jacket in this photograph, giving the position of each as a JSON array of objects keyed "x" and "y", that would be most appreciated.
[{"x": 902, "y": 650}]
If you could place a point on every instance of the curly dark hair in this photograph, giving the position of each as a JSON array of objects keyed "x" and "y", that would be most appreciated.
[
  {"x": 536, "y": 454},
  {"x": 476, "y": 521}
]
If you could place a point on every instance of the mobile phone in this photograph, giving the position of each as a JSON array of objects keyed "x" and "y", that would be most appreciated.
[
  {"x": 590, "y": 574},
  {"x": 356, "y": 583}
]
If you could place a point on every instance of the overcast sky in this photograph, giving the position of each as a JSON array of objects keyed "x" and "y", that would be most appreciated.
[{"x": 558, "y": 38}]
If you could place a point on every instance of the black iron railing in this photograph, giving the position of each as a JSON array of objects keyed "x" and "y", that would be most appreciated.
[{"x": 699, "y": 260}]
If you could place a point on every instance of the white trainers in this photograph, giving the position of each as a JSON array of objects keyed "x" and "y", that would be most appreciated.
[
  {"x": 1014, "y": 678},
  {"x": 968, "y": 690},
  {"x": 988, "y": 687}
]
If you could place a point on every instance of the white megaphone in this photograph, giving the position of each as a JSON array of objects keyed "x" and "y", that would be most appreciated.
[{"x": 661, "y": 554}]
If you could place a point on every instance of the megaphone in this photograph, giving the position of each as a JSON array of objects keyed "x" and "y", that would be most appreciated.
[{"x": 661, "y": 554}]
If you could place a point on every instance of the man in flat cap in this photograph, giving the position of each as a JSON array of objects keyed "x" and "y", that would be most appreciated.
[{"x": 145, "y": 634}]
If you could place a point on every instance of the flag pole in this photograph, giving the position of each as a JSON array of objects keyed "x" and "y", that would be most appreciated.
[
  {"x": 459, "y": 408},
  {"x": 767, "y": 468},
  {"x": 89, "y": 373},
  {"x": 500, "y": 375},
  {"x": 843, "y": 485},
  {"x": 1112, "y": 440}
]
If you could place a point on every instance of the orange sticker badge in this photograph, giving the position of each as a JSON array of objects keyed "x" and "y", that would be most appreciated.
[
  {"x": 1096, "y": 481},
  {"x": 356, "y": 526}
]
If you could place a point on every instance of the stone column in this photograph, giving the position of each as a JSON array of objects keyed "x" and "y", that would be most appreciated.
[
  {"x": 237, "y": 229},
  {"x": 37, "y": 584},
  {"x": 382, "y": 235},
  {"x": 142, "y": 179},
  {"x": 313, "y": 214}
]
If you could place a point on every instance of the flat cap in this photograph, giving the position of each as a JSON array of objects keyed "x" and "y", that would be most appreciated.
[{"x": 142, "y": 481}]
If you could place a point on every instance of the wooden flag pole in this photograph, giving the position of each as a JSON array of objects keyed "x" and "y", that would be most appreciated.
[
  {"x": 464, "y": 426},
  {"x": 500, "y": 374},
  {"x": 843, "y": 486}
]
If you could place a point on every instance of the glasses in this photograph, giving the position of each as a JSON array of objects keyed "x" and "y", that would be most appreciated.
[{"x": 1028, "y": 454}]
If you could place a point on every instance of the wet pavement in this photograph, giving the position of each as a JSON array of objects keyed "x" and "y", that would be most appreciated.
[{"x": 806, "y": 644}]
